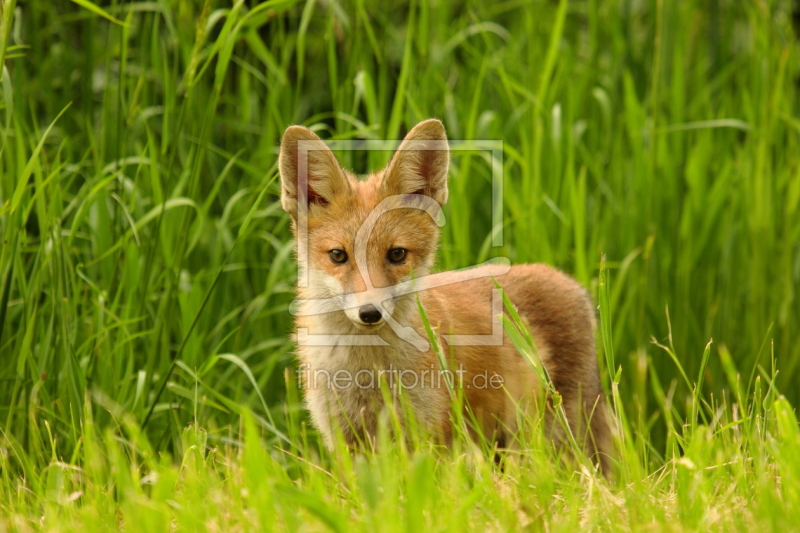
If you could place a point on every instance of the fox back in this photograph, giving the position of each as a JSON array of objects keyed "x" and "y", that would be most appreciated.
[{"x": 365, "y": 253}]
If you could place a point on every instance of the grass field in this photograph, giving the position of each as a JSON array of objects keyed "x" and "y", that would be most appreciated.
[{"x": 146, "y": 373}]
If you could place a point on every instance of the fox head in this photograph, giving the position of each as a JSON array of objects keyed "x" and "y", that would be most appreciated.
[{"x": 357, "y": 240}]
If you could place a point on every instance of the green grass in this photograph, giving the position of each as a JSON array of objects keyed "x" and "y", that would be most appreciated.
[{"x": 146, "y": 267}]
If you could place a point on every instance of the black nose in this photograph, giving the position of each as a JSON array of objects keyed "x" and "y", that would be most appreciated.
[{"x": 369, "y": 314}]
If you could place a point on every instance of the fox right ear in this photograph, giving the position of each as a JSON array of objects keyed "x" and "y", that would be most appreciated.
[
  {"x": 310, "y": 172},
  {"x": 420, "y": 164}
]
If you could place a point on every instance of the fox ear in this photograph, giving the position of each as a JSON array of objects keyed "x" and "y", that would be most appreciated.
[
  {"x": 420, "y": 164},
  {"x": 309, "y": 172}
]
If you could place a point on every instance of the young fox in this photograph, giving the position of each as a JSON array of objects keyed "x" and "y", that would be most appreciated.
[{"x": 365, "y": 251}]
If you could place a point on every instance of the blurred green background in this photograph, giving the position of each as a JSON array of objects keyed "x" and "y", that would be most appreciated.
[{"x": 144, "y": 245}]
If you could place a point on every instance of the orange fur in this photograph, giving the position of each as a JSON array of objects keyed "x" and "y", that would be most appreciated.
[{"x": 557, "y": 309}]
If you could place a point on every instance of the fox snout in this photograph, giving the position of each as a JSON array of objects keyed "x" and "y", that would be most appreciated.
[{"x": 369, "y": 314}]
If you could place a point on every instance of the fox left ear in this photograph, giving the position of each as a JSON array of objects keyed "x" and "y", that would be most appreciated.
[
  {"x": 420, "y": 164},
  {"x": 322, "y": 177}
]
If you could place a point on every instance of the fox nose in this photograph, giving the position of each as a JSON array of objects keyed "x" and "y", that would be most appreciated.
[{"x": 369, "y": 314}]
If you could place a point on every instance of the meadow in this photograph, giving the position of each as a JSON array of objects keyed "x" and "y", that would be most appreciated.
[{"x": 147, "y": 379}]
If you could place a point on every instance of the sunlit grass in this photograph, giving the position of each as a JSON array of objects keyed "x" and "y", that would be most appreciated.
[{"x": 146, "y": 368}]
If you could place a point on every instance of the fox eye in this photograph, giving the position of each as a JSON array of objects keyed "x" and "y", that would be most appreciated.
[
  {"x": 338, "y": 256},
  {"x": 397, "y": 255}
]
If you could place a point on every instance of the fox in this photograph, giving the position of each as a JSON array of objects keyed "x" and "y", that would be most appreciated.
[{"x": 362, "y": 275}]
